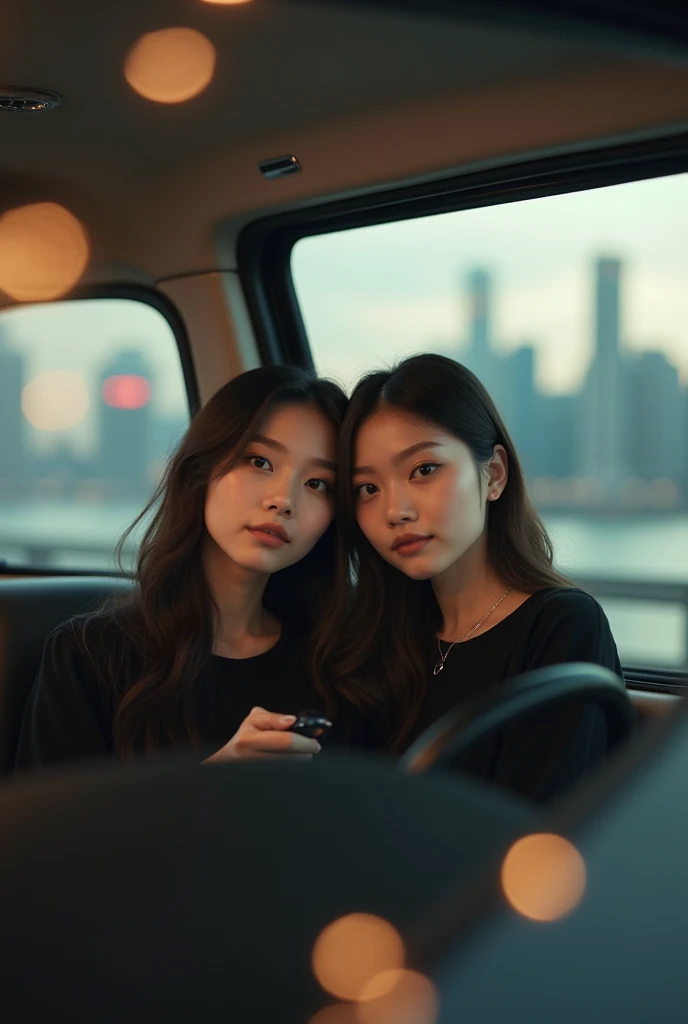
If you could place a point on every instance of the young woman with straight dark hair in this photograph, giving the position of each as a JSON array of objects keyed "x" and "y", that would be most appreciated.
[
  {"x": 232, "y": 582},
  {"x": 454, "y": 586}
]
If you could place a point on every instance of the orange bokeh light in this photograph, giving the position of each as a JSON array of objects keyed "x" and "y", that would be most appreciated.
[
  {"x": 44, "y": 251},
  {"x": 126, "y": 391},
  {"x": 352, "y": 950},
  {"x": 543, "y": 877},
  {"x": 398, "y": 997},
  {"x": 55, "y": 400},
  {"x": 170, "y": 66},
  {"x": 227, "y": 3},
  {"x": 340, "y": 1013}
]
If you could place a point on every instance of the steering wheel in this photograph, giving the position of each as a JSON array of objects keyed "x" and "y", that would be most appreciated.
[{"x": 543, "y": 688}]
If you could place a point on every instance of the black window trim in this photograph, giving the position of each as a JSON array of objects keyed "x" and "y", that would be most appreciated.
[
  {"x": 148, "y": 296},
  {"x": 265, "y": 247},
  {"x": 656, "y": 680},
  {"x": 661, "y": 25}
]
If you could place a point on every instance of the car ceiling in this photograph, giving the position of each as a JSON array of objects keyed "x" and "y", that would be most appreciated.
[{"x": 365, "y": 98}]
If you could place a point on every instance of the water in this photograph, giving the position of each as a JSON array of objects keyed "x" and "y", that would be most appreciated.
[
  {"x": 653, "y": 548},
  {"x": 650, "y": 549},
  {"x": 63, "y": 535}
]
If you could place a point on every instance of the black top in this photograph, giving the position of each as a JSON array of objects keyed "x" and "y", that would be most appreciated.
[
  {"x": 542, "y": 754},
  {"x": 70, "y": 711}
]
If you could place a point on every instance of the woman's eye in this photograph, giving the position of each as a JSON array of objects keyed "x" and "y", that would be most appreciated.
[
  {"x": 426, "y": 469},
  {"x": 258, "y": 462},
  {"x": 322, "y": 486},
  {"x": 364, "y": 491}
]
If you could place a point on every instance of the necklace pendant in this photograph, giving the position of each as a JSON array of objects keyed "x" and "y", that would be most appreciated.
[{"x": 438, "y": 668}]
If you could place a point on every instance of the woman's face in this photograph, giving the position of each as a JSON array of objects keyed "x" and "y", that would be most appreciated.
[
  {"x": 272, "y": 507},
  {"x": 420, "y": 499}
]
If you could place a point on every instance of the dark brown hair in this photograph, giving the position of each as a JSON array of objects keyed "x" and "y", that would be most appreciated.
[
  {"x": 376, "y": 651},
  {"x": 168, "y": 622}
]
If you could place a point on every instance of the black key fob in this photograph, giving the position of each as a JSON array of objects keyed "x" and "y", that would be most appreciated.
[{"x": 312, "y": 724}]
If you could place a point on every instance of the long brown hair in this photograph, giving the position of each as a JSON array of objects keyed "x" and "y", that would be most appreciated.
[
  {"x": 167, "y": 624},
  {"x": 376, "y": 651}
]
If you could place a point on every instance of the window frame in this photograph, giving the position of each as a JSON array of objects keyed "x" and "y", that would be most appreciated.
[
  {"x": 149, "y": 296},
  {"x": 265, "y": 247}
]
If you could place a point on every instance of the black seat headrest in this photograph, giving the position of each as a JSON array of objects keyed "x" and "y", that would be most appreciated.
[{"x": 30, "y": 608}]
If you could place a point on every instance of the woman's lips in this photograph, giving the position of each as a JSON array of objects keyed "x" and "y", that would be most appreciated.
[
  {"x": 271, "y": 536},
  {"x": 410, "y": 544}
]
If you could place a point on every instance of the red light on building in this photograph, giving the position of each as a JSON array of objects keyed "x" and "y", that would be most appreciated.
[{"x": 126, "y": 391}]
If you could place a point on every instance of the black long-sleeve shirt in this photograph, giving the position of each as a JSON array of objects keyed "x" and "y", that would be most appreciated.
[
  {"x": 542, "y": 755},
  {"x": 70, "y": 711}
]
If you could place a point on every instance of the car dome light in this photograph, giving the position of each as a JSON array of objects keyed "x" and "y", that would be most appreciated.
[{"x": 27, "y": 101}]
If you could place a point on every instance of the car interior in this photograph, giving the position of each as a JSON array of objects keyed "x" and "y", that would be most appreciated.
[{"x": 193, "y": 188}]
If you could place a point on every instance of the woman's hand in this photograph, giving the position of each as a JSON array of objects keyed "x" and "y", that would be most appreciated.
[{"x": 263, "y": 734}]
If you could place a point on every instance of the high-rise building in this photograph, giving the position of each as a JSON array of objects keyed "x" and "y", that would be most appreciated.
[
  {"x": 125, "y": 424},
  {"x": 518, "y": 402},
  {"x": 480, "y": 357},
  {"x": 510, "y": 380},
  {"x": 603, "y": 449},
  {"x": 12, "y": 423},
  {"x": 656, "y": 418},
  {"x": 554, "y": 445}
]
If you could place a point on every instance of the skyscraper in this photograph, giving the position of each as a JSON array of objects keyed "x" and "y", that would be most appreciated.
[
  {"x": 553, "y": 447},
  {"x": 125, "y": 423},
  {"x": 656, "y": 418},
  {"x": 603, "y": 449},
  {"x": 480, "y": 357},
  {"x": 12, "y": 424},
  {"x": 517, "y": 400}
]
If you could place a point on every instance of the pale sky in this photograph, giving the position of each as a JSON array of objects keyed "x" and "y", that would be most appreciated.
[{"x": 373, "y": 294}]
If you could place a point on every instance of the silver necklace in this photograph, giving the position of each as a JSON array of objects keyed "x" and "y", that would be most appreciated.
[{"x": 443, "y": 656}]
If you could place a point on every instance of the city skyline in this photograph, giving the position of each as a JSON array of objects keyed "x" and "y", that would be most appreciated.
[
  {"x": 131, "y": 441},
  {"x": 611, "y": 444},
  {"x": 372, "y": 295},
  {"x": 619, "y": 440},
  {"x": 81, "y": 336}
]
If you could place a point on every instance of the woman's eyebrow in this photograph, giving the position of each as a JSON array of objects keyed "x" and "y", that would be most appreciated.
[
  {"x": 324, "y": 464},
  {"x": 412, "y": 449},
  {"x": 400, "y": 456},
  {"x": 269, "y": 442},
  {"x": 277, "y": 446}
]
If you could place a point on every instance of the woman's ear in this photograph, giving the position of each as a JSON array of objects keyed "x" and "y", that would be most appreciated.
[{"x": 498, "y": 473}]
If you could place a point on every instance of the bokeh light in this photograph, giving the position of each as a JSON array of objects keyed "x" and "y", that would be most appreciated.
[
  {"x": 44, "y": 251},
  {"x": 543, "y": 877},
  {"x": 126, "y": 391},
  {"x": 398, "y": 997},
  {"x": 55, "y": 400},
  {"x": 170, "y": 66},
  {"x": 352, "y": 950},
  {"x": 340, "y": 1013},
  {"x": 227, "y": 3}
]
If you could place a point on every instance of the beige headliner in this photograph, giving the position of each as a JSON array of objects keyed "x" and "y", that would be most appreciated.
[{"x": 364, "y": 99}]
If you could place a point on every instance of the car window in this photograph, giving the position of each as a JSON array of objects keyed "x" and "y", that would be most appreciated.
[
  {"x": 572, "y": 309},
  {"x": 92, "y": 401}
]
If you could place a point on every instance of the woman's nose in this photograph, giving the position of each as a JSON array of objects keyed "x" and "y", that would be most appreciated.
[
  {"x": 282, "y": 506},
  {"x": 401, "y": 513}
]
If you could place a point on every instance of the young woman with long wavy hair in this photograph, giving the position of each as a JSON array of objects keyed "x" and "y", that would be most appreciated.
[
  {"x": 454, "y": 588},
  {"x": 232, "y": 583}
]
